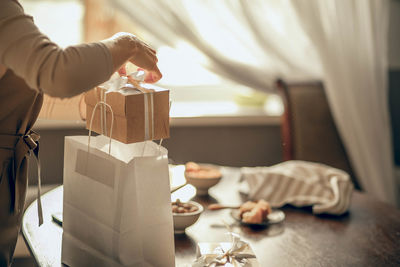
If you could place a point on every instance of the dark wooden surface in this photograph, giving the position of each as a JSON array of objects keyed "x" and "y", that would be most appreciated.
[{"x": 369, "y": 235}]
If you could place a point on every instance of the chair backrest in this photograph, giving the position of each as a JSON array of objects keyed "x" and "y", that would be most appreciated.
[{"x": 308, "y": 129}]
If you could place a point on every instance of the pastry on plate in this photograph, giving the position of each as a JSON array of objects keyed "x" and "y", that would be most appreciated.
[{"x": 254, "y": 212}]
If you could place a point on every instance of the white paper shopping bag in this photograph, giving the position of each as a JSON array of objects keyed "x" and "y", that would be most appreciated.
[{"x": 117, "y": 206}]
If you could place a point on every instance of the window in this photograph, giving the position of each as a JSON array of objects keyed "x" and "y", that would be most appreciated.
[
  {"x": 61, "y": 20},
  {"x": 69, "y": 22}
]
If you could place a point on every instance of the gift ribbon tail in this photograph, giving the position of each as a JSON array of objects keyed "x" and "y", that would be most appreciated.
[
  {"x": 152, "y": 114},
  {"x": 146, "y": 117},
  {"x": 39, "y": 201}
]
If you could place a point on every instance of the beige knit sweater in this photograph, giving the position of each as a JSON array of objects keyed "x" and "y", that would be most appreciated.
[{"x": 43, "y": 64}]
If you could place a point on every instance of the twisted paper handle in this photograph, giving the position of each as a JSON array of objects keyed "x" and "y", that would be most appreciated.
[{"x": 91, "y": 123}]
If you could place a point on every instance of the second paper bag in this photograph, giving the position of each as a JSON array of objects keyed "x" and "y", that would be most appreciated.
[{"x": 117, "y": 206}]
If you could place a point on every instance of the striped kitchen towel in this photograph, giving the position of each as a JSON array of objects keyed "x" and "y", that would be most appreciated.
[{"x": 300, "y": 183}]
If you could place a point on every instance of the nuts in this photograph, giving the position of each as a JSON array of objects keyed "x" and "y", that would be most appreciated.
[{"x": 179, "y": 207}]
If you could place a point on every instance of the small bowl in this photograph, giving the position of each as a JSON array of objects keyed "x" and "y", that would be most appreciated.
[
  {"x": 184, "y": 220},
  {"x": 202, "y": 184}
]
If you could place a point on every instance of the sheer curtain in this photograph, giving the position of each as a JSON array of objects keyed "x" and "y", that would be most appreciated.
[
  {"x": 351, "y": 39},
  {"x": 244, "y": 41},
  {"x": 343, "y": 43}
]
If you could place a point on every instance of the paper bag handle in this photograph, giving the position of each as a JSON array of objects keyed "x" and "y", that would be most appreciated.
[{"x": 91, "y": 123}]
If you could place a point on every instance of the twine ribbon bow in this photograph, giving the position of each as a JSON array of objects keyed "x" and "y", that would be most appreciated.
[
  {"x": 235, "y": 256},
  {"x": 118, "y": 83}
]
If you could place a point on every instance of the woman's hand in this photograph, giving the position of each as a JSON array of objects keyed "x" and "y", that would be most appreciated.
[{"x": 127, "y": 47}]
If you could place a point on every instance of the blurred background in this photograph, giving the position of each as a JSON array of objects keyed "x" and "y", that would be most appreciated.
[{"x": 253, "y": 83}]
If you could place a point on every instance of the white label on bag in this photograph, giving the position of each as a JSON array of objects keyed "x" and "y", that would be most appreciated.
[{"x": 88, "y": 165}]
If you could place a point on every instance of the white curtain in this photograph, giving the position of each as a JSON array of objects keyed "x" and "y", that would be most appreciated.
[
  {"x": 342, "y": 42},
  {"x": 243, "y": 41},
  {"x": 351, "y": 39}
]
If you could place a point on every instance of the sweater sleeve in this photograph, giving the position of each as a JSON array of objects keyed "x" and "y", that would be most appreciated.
[{"x": 43, "y": 64}]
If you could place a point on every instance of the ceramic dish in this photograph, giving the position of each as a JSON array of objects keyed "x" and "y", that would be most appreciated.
[
  {"x": 200, "y": 179},
  {"x": 276, "y": 216},
  {"x": 184, "y": 220}
]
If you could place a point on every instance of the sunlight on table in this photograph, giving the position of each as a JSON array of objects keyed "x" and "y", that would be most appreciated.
[{"x": 177, "y": 177}]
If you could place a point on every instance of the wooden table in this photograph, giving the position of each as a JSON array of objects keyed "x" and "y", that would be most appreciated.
[{"x": 369, "y": 235}]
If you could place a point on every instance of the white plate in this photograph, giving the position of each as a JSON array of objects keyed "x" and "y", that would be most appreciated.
[{"x": 276, "y": 216}]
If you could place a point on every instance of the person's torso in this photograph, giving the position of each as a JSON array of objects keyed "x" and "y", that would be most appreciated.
[{"x": 19, "y": 105}]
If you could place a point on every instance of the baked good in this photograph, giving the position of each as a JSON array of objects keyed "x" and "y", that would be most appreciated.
[
  {"x": 254, "y": 216},
  {"x": 254, "y": 212},
  {"x": 195, "y": 170},
  {"x": 192, "y": 166},
  {"x": 247, "y": 206},
  {"x": 264, "y": 206}
]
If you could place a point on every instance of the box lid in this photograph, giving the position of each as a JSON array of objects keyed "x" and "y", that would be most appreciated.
[{"x": 127, "y": 100}]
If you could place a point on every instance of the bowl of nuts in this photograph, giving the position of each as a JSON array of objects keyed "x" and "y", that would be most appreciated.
[{"x": 185, "y": 214}]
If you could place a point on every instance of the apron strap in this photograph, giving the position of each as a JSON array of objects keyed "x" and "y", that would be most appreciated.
[
  {"x": 39, "y": 183},
  {"x": 22, "y": 145}
]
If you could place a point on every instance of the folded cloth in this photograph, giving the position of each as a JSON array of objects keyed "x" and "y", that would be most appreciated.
[{"x": 301, "y": 183}]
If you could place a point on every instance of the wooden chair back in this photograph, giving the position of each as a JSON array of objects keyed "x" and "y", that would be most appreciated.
[{"x": 308, "y": 130}]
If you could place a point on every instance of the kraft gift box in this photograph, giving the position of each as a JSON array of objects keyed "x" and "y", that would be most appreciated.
[{"x": 138, "y": 115}]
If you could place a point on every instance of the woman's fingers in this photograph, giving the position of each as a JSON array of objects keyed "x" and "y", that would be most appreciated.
[
  {"x": 127, "y": 47},
  {"x": 153, "y": 76},
  {"x": 143, "y": 56},
  {"x": 122, "y": 70},
  {"x": 147, "y": 46},
  {"x": 147, "y": 60}
]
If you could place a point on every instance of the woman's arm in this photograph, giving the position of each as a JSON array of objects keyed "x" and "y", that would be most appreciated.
[{"x": 63, "y": 72}]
